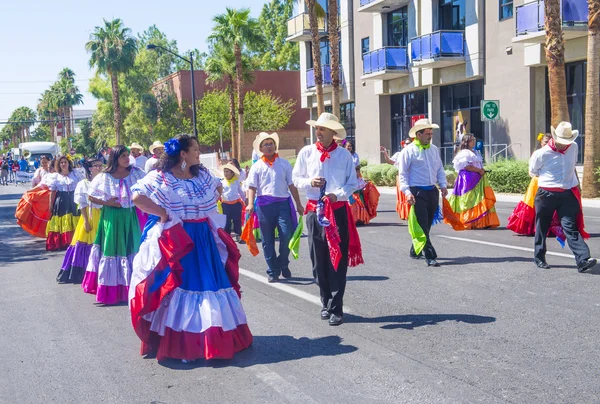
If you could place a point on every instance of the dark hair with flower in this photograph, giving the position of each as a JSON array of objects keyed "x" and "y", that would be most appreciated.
[{"x": 172, "y": 155}]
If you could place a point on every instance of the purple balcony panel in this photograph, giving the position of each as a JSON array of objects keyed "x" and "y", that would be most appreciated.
[
  {"x": 365, "y": 2},
  {"x": 396, "y": 58},
  {"x": 415, "y": 49},
  {"x": 530, "y": 17},
  {"x": 574, "y": 12},
  {"x": 310, "y": 78},
  {"x": 367, "y": 69},
  {"x": 452, "y": 44}
]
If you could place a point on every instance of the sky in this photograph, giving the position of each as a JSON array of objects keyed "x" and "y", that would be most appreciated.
[{"x": 38, "y": 38}]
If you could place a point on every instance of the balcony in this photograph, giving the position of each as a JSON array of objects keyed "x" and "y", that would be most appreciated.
[
  {"x": 381, "y": 6},
  {"x": 386, "y": 63},
  {"x": 298, "y": 28},
  {"x": 326, "y": 69},
  {"x": 438, "y": 49},
  {"x": 530, "y": 21}
]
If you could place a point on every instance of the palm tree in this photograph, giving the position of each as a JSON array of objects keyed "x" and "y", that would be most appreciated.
[
  {"x": 71, "y": 96},
  {"x": 113, "y": 51},
  {"x": 220, "y": 67},
  {"x": 555, "y": 56},
  {"x": 316, "y": 12},
  {"x": 591, "y": 186},
  {"x": 23, "y": 118},
  {"x": 334, "y": 51},
  {"x": 237, "y": 31}
]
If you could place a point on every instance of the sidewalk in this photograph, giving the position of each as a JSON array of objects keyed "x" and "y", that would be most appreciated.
[{"x": 512, "y": 198}]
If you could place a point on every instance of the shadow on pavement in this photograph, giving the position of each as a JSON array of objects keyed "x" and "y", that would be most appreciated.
[
  {"x": 367, "y": 278},
  {"x": 269, "y": 349},
  {"x": 412, "y": 321},
  {"x": 482, "y": 260},
  {"x": 380, "y": 224},
  {"x": 13, "y": 196}
]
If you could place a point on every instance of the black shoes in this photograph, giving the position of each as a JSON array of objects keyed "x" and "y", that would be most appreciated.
[
  {"x": 335, "y": 319},
  {"x": 587, "y": 264},
  {"x": 273, "y": 279},
  {"x": 432, "y": 263},
  {"x": 325, "y": 314},
  {"x": 416, "y": 257},
  {"x": 541, "y": 264},
  {"x": 286, "y": 273}
]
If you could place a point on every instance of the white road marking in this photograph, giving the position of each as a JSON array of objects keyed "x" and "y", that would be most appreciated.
[
  {"x": 8, "y": 226},
  {"x": 512, "y": 247},
  {"x": 286, "y": 389},
  {"x": 287, "y": 289}
]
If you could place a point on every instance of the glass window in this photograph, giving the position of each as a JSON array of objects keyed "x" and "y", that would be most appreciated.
[
  {"x": 397, "y": 27},
  {"x": 506, "y": 9},
  {"x": 405, "y": 109},
  {"x": 461, "y": 111},
  {"x": 364, "y": 45},
  {"x": 452, "y": 15}
]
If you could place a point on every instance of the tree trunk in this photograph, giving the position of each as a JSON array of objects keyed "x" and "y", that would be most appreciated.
[
  {"x": 334, "y": 51},
  {"x": 591, "y": 159},
  {"x": 114, "y": 80},
  {"x": 555, "y": 57},
  {"x": 316, "y": 55},
  {"x": 232, "y": 120},
  {"x": 67, "y": 122},
  {"x": 240, "y": 98},
  {"x": 28, "y": 133}
]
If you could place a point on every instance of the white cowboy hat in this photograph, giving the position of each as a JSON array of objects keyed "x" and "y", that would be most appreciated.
[
  {"x": 231, "y": 167},
  {"x": 420, "y": 125},
  {"x": 564, "y": 133},
  {"x": 261, "y": 137},
  {"x": 155, "y": 145},
  {"x": 330, "y": 121},
  {"x": 135, "y": 145}
]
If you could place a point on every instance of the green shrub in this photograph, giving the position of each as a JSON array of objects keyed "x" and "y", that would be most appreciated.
[
  {"x": 363, "y": 163},
  {"x": 509, "y": 176},
  {"x": 380, "y": 174},
  {"x": 450, "y": 177}
]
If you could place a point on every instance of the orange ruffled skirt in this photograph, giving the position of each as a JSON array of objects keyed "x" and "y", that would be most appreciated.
[
  {"x": 33, "y": 211},
  {"x": 364, "y": 205},
  {"x": 402, "y": 205}
]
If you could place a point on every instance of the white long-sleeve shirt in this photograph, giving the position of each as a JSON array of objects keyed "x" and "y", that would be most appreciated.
[
  {"x": 271, "y": 181},
  {"x": 338, "y": 170},
  {"x": 420, "y": 168},
  {"x": 232, "y": 191},
  {"x": 554, "y": 169}
]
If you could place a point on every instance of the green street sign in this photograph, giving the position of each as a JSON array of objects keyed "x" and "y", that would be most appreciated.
[{"x": 490, "y": 110}]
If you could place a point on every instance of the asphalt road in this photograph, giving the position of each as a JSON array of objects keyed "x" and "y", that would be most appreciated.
[{"x": 487, "y": 326}]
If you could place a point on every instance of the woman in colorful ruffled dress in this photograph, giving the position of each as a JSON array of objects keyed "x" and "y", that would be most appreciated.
[
  {"x": 78, "y": 253},
  {"x": 65, "y": 213},
  {"x": 117, "y": 240},
  {"x": 34, "y": 209},
  {"x": 41, "y": 172},
  {"x": 186, "y": 302},
  {"x": 402, "y": 205},
  {"x": 471, "y": 205},
  {"x": 364, "y": 202}
]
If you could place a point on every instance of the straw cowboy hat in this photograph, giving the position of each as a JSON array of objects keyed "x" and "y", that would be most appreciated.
[
  {"x": 330, "y": 121},
  {"x": 261, "y": 137},
  {"x": 420, "y": 125},
  {"x": 155, "y": 145},
  {"x": 564, "y": 133},
  {"x": 135, "y": 145},
  {"x": 231, "y": 167}
]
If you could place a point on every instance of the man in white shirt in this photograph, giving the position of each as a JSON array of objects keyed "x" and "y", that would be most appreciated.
[
  {"x": 328, "y": 175},
  {"x": 157, "y": 149},
  {"x": 420, "y": 169},
  {"x": 554, "y": 165},
  {"x": 270, "y": 181},
  {"x": 136, "y": 152}
]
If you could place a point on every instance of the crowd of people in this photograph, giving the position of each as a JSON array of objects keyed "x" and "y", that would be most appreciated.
[{"x": 163, "y": 233}]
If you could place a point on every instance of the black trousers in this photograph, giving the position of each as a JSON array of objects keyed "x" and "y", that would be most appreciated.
[
  {"x": 332, "y": 283},
  {"x": 426, "y": 204},
  {"x": 233, "y": 213},
  {"x": 567, "y": 207}
]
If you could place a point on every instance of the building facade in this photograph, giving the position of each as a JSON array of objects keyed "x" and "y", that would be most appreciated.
[{"x": 403, "y": 60}]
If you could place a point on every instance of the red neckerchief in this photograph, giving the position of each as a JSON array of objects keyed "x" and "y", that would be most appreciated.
[
  {"x": 269, "y": 162},
  {"x": 154, "y": 156},
  {"x": 325, "y": 152},
  {"x": 552, "y": 145}
]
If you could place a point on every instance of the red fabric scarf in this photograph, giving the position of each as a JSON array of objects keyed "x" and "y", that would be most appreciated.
[
  {"x": 579, "y": 218},
  {"x": 333, "y": 236},
  {"x": 325, "y": 152},
  {"x": 269, "y": 162},
  {"x": 552, "y": 145}
]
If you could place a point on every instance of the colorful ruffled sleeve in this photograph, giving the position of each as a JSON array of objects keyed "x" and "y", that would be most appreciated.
[{"x": 156, "y": 187}]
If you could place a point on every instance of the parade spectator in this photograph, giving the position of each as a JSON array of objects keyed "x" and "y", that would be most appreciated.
[
  {"x": 41, "y": 172},
  {"x": 36, "y": 163},
  {"x": 23, "y": 164},
  {"x": 137, "y": 154},
  {"x": 11, "y": 163},
  {"x": 4, "y": 172}
]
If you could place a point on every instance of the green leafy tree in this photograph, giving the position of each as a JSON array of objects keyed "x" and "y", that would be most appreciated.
[
  {"x": 113, "y": 51},
  {"x": 276, "y": 53},
  {"x": 41, "y": 133},
  {"x": 212, "y": 117},
  {"x": 237, "y": 31},
  {"x": 84, "y": 144},
  {"x": 23, "y": 119}
]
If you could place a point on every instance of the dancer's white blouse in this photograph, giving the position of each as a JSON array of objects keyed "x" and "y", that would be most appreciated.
[
  {"x": 465, "y": 158},
  {"x": 59, "y": 182},
  {"x": 81, "y": 195},
  {"x": 106, "y": 187}
]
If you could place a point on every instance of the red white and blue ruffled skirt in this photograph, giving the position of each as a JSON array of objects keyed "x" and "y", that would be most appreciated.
[{"x": 184, "y": 301}]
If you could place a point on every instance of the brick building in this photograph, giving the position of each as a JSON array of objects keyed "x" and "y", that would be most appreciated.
[{"x": 283, "y": 84}]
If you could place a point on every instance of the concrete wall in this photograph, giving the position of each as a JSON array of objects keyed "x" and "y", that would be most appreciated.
[{"x": 510, "y": 82}]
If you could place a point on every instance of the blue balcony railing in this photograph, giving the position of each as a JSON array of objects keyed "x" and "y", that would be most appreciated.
[
  {"x": 387, "y": 58},
  {"x": 366, "y": 2},
  {"x": 438, "y": 44},
  {"x": 530, "y": 16},
  {"x": 326, "y": 69}
]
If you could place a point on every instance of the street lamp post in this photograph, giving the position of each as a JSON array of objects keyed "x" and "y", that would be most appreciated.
[{"x": 191, "y": 62}]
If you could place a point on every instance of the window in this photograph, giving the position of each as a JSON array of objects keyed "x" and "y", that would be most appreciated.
[
  {"x": 452, "y": 15},
  {"x": 364, "y": 45},
  {"x": 506, "y": 9},
  {"x": 406, "y": 109},
  {"x": 346, "y": 119},
  {"x": 324, "y": 53},
  {"x": 461, "y": 111},
  {"x": 397, "y": 27}
]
